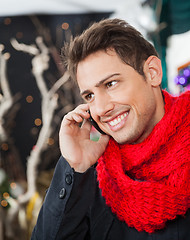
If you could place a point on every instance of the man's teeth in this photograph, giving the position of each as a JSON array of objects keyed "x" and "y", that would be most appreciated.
[{"x": 118, "y": 119}]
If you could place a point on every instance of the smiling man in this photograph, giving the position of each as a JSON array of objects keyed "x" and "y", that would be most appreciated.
[
  {"x": 134, "y": 182},
  {"x": 125, "y": 104}
]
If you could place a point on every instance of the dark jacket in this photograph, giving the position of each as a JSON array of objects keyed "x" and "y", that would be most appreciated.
[{"x": 74, "y": 209}]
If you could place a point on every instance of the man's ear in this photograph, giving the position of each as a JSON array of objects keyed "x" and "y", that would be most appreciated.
[{"x": 153, "y": 70}]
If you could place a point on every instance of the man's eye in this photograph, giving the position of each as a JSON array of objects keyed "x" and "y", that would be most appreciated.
[
  {"x": 110, "y": 84},
  {"x": 88, "y": 97}
]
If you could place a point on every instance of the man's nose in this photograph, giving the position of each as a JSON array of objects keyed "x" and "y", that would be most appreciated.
[{"x": 103, "y": 104}]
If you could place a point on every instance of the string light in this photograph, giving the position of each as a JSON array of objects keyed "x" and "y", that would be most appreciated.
[
  {"x": 38, "y": 121},
  {"x": 183, "y": 77},
  {"x": 186, "y": 72},
  {"x": 6, "y": 195},
  {"x": 29, "y": 99},
  {"x": 19, "y": 35},
  {"x": 4, "y": 146},
  {"x": 51, "y": 141},
  {"x": 7, "y": 21},
  {"x": 65, "y": 26},
  {"x": 34, "y": 131},
  {"x": 4, "y": 203},
  {"x": 13, "y": 185}
]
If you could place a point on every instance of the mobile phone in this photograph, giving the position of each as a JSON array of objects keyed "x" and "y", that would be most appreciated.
[{"x": 95, "y": 124}]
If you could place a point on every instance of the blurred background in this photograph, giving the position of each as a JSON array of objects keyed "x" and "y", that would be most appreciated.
[{"x": 36, "y": 92}]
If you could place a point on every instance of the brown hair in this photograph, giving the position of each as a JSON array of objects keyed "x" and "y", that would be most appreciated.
[{"x": 115, "y": 34}]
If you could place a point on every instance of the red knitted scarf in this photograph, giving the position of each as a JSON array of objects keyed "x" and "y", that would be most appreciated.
[{"x": 147, "y": 184}]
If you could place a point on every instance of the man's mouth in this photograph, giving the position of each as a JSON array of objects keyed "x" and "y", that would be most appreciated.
[{"x": 118, "y": 119}]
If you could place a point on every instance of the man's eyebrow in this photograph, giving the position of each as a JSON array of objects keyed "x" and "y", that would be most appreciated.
[{"x": 100, "y": 83}]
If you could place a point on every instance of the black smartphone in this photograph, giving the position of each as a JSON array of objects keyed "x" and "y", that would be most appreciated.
[{"x": 95, "y": 124}]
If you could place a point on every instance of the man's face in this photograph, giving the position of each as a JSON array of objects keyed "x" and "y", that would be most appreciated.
[{"x": 121, "y": 101}]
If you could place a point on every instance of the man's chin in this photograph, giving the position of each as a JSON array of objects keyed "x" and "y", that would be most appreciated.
[
  {"x": 125, "y": 139},
  {"x": 120, "y": 140}
]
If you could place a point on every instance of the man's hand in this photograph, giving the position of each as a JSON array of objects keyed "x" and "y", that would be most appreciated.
[{"x": 75, "y": 144}]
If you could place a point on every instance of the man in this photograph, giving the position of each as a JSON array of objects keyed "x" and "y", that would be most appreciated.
[{"x": 134, "y": 182}]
